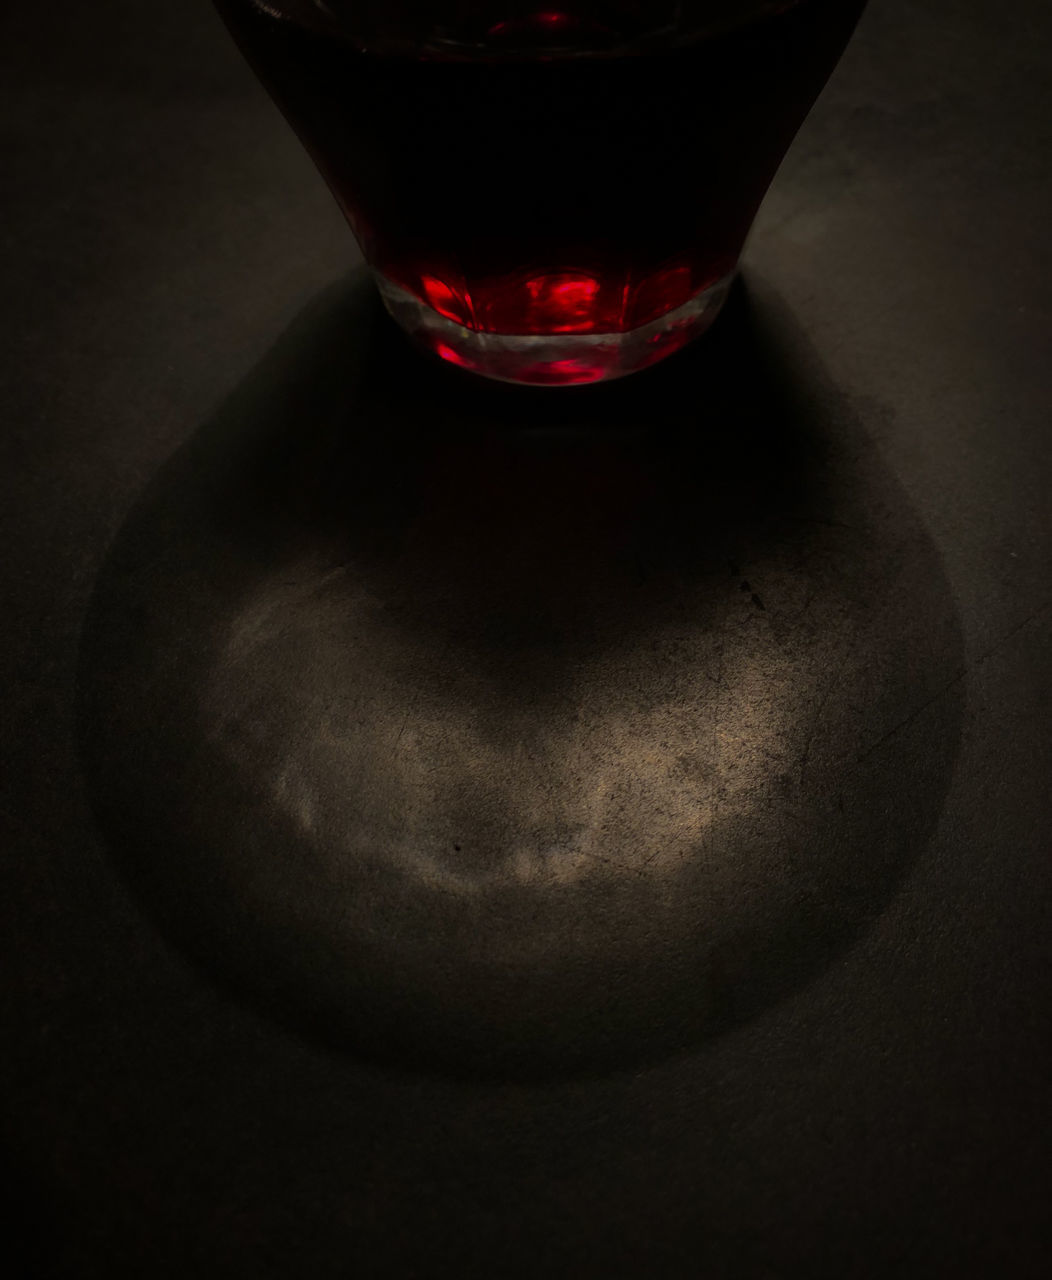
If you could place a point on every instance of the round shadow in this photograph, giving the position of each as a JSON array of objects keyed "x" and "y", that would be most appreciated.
[{"x": 517, "y": 733}]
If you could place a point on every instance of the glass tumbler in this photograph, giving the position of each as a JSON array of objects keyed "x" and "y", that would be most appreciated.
[{"x": 547, "y": 193}]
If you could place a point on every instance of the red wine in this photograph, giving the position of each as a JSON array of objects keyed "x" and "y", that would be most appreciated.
[{"x": 516, "y": 188}]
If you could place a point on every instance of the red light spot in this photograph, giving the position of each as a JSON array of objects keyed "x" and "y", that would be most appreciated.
[
  {"x": 580, "y": 369},
  {"x": 660, "y": 293},
  {"x": 569, "y": 292},
  {"x": 454, "y": 357},
  {"x": 445, "y": 300},
  {"x": 563, "y": 302},
  {"x": 533, "y": 24},
  {"x": 564, "y": 372},
  {"x": 556, "y": 302}
]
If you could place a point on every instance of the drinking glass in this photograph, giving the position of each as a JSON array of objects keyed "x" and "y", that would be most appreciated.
[{"x": 547, "y": 192}]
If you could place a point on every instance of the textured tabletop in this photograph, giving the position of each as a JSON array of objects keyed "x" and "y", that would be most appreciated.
[{"x": 451, "y": 830}]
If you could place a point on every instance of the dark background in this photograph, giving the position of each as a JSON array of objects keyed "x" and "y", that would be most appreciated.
[{"x": 881, "y": 1112}]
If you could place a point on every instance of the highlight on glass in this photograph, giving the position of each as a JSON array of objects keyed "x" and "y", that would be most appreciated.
[{"x": 547, "y": 193}]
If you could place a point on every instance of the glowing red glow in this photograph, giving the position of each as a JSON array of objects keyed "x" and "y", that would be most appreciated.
[
  {"x": 445, "y": 300},
  {"x": 658, "y": 293},
  {"x": 568, "y": 293},
  {"x": 453, "y": 357},
  {"x": 591, "y": 366},
  {"x": 547, "y": 21},
  {"x": 555, "y": 302},
  {"x": 565, "y": 372},
  {"x": 563, "y": 302},
  {"x": 560, "y": 301}
]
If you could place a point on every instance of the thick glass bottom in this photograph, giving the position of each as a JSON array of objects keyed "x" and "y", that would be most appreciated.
[{"x": 558, "y": 359}]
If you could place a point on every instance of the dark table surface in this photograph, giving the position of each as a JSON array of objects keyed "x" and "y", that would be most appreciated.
[{"x": 456, "y": 831}]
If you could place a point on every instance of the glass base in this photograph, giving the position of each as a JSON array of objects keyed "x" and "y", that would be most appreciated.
[{"x": 559, "y": 359}]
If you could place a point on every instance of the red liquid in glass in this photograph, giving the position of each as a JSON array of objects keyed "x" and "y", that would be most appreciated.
[{"x": 546, "y": 194}]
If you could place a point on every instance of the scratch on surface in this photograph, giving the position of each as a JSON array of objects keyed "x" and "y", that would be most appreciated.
[
  {"x": 999, "y": 643},
  {"x": 807, "y": 604},
  {"x": 908, "y": 720},
  {"x": 405, "y": 725},
  {"x": 647, "y": 861},
  {"x": 819, "y": 708}
]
